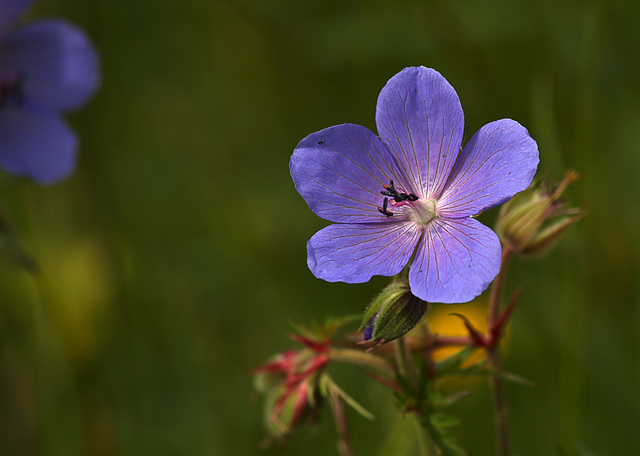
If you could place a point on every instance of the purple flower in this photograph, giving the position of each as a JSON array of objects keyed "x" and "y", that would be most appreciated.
[
  {"x": 46, "y": 67},
  {"x": 412, "y": 191}
]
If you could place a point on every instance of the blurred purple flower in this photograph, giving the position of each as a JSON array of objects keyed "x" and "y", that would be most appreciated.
[
  {"x": 46, "y": 67},
  {"x": 412, "y": 190}
]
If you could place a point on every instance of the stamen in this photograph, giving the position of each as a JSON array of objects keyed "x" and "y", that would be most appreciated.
[
  {"x": 383, "y": 209},
  {"x": 398, "y": 196}
]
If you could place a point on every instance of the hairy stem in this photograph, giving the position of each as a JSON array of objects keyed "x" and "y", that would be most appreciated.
[
  {"x": 405, "y": 365},
  {"x": 493, "y": 357}
]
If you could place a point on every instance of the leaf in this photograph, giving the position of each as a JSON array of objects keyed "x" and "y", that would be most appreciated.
[
  {"x": 444, "y": 420},
  {"x": 325, "y": 330},
  {"x": 303, "y": 330},
  {"x": 334, "y": 324},
  {"x": 452, "y": 399},
  {"x": 454, "y": 361},
  {"x": 437, "y": 424}
]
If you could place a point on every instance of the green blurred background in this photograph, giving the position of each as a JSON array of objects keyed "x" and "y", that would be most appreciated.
[{"x": 173, "y": 259}]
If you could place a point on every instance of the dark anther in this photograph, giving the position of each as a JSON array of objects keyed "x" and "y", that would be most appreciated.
[
  {"x": 383, "y": 209},
  {"x": 11, "y": 91},
  {"x": 321, "y": 142},
  {"x": 390, "y": 190}
]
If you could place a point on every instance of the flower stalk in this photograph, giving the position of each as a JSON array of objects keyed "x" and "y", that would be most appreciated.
[
  {"x": 501, "y": 415},
  {"x": 363, "y": 359}
]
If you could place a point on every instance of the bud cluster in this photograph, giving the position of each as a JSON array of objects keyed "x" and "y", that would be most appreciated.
[{"x": 290, "y": 381}]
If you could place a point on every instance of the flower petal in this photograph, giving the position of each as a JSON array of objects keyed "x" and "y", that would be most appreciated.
[
  {"x": 498, "y": 162},
  {"x": 456, "y": 261},
  {"x": 56, "y": 60},
  {"x": 353, "y": 253},
  {"x": 36, "y": 144},
  {"x": 10, "y": 10},
  {"x": 340, "y": 172},
  {"x": 420, "y": 119}
]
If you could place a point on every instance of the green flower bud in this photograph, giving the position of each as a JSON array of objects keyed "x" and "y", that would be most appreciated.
[
  {"x": 531, "y": 221},
  {"x": 393, "y": 313}
]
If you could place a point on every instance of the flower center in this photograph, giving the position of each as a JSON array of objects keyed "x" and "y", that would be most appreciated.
[
  {"x": 11, "y": 92},
  {"x": 423, "y": 211}
]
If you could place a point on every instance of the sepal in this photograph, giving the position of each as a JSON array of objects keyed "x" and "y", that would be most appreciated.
[{"x": 393, "y": 313}]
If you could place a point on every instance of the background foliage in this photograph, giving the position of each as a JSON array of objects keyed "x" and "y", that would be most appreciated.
[{"x": 171, "y": 261}]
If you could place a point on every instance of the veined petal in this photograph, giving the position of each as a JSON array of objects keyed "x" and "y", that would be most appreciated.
[
  {"x": 37, "y": 144},
  {"x": 10, "y": 10},
  {"x": 56, "y": 61},
  {"x": 420, "y": 119},
  {"x": 456, "y": 261},
  {"x": 498, "y": 162},
  {"x": 353, "y": 253},
  {"x": 340, "y": 172}
]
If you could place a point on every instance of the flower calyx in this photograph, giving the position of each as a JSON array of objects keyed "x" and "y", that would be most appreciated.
[{"x": 393, "y": 313}]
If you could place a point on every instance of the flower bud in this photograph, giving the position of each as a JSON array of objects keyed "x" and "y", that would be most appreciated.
[
  {"x": 531, "y": 221},
  {"x": 289, "y": 381},
  {"x": 393, "y": 313}
]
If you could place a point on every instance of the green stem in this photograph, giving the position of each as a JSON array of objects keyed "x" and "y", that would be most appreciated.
[
  {"x": 405, "y": 366},
  {"x": 425, "y": 445},
  {"x": 500, "y": 411}
]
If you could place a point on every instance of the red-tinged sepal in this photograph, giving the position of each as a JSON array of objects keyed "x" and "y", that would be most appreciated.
[{"x": 477, "y": 338}]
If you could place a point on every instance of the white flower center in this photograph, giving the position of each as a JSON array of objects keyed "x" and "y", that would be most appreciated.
[{"x": 423, "y": 211}]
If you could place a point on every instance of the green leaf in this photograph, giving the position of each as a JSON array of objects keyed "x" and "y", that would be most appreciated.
[
  {"x": 334, "y": 324},
  {"x": 452, "y": 399},
  {"x": 325, "y": 330},
  {"x": 454, "y": 361},
  {"x": 444, "y": 420},
  {"x": 438, "y": 425},
  {"x": 303, "y": 330}
]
